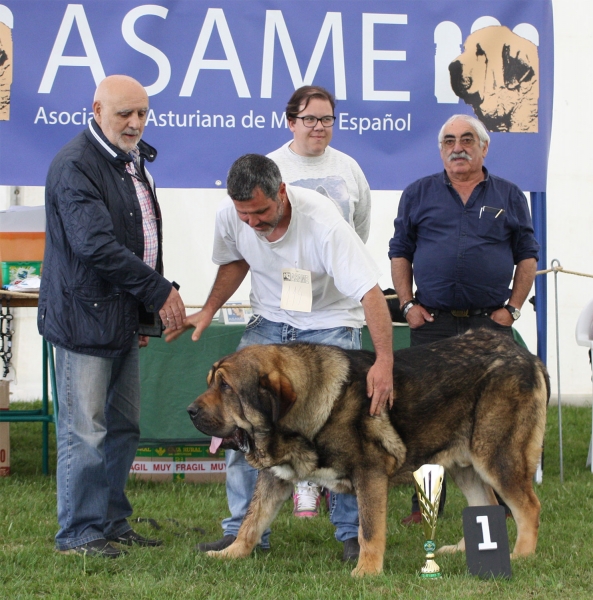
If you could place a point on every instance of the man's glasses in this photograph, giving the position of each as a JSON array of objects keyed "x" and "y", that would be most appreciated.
[
  {"x": 310, "y": 121},
  {"x": 466, "y": 141}
]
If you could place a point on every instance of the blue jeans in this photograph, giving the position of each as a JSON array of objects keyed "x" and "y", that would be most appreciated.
[
  {"x": 240, "y": 477},
  {"x": 98, "y": 433}
]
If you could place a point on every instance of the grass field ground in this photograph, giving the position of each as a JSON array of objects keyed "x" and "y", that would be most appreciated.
[{"x": 304, "y": 561}]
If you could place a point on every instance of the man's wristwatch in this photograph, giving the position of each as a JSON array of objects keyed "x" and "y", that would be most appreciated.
[
  {"x": 407, "y": 305},
  {"x": 515, "y": 312}
]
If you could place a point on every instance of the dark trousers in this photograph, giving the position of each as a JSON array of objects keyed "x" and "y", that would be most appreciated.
[{"x": 444, "y": 326}]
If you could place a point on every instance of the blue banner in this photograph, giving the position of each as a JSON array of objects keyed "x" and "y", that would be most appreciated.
[{"x": 219, "y": 75}]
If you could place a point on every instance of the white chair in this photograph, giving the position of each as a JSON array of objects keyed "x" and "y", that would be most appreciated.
[{"x": 584, "y": 336}]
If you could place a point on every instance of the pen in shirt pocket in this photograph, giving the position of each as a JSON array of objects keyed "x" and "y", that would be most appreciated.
[{"x": 490, "y": 209}]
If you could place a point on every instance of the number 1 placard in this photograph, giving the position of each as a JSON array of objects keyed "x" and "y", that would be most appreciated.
[{"x": 486, "y": 541}]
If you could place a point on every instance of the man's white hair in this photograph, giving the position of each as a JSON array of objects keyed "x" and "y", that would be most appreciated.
[{"x": 475, "y": 124}]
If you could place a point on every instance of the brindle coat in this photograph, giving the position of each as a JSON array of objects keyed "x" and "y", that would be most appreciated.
[{"x": 475, "y": 404}]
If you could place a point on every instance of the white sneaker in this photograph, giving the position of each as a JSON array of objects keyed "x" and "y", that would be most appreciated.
[{"x": 306, "y": 499}]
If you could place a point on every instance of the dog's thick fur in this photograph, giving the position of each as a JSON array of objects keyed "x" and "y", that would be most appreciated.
[
  {"x": 475, "y": 404},
  {"x": 498, "y": 74}
]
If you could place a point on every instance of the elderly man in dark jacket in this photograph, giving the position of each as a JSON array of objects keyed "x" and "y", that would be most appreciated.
[{"x": 102, "y": 293}]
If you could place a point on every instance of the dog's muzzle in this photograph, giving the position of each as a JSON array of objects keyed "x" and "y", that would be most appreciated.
[{"x": 237, "y": 440}]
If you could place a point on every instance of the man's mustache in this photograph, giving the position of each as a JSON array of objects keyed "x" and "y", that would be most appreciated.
[{"x": 461, "y": 154}]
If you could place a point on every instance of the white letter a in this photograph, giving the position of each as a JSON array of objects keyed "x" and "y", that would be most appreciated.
[{"x": 74, "y": 12}]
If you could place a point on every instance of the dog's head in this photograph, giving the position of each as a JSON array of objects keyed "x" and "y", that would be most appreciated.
[
  {"x": 498, "y": 74},
  {"x": 248, "y": 392}
]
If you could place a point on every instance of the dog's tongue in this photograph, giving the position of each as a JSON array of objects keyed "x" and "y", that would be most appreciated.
[{"x": 215, "y": 444}]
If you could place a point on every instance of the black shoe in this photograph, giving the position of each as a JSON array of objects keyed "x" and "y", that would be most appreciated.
[
  {"x": 220, "y": 544},
  {"x": 351, "y": 550},
  {"x": 100, "y": 547},
  {"x": 131, "y": 538}
]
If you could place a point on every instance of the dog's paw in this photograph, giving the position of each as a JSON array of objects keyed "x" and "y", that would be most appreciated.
[
  {"x": 515, "y": 555},
  {"x": 447, "y": 549},
  {"x": 233, "y": 551},
  {"x": 451, "y": 549},
  {"x": 459, "y": 547},
  {"x": 215, "y": 553},
  {"x": 368, "y": 567},
  {"x": 356, "y": 572}
]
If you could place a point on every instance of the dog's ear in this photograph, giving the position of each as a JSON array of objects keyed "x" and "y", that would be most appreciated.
[
  {"x": 211, "y": 373},
  {"x": 281, "y": 388},
  {"x": 516, "y": 68}
]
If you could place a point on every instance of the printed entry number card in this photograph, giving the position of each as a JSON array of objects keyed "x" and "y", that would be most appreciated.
[{"x": 297, "y": 292}]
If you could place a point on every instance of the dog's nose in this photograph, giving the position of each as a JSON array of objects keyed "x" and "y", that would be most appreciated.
[{"x": 192, "y": 410}]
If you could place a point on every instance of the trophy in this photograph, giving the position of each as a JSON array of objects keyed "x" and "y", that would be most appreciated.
[{"x": 428, "y": 480}]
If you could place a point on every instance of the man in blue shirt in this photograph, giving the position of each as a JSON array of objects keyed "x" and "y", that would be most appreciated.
[{"x": 458, "y": 235}]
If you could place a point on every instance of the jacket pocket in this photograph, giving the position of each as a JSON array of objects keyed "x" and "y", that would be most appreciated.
[{"x": 97, "y": 320}]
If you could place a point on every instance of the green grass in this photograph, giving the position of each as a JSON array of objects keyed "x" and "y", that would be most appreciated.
[{"x": 304, "y": 562}]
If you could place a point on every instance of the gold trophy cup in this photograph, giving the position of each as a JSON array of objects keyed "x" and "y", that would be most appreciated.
[{"x": 428, "y": 480}]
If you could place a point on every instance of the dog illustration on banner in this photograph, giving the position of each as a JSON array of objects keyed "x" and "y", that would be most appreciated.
[
  {"x": 6, "y": 23},
  {"x": 475, "y": 404},
  {"x": 498, "y": 75}
]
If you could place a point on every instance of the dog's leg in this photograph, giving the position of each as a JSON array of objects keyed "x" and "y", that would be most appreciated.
[
  {"x": 269, "y": 496},
  {"x": 516, "y": 489},
  {"x": 371, "y": 490},
  {"x": 476, "y": 492},
  {"x": 279, "y": 449},
  {"x": 526, "y": 509}
]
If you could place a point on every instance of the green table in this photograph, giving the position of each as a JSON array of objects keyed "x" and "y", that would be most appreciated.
[{"x": 174, "y": 375}]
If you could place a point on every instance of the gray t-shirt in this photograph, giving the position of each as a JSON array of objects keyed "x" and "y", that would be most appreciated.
[{"x": 333, "y": 174}]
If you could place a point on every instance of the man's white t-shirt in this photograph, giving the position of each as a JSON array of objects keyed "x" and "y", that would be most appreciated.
[
  {"x": 318, "y": 240},
  {"x": 334, "y": 175}
]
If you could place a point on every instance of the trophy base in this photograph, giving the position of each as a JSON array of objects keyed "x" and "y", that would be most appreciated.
[
  {"x": 430, "y": 570},
  {"x": 430, "y": 575}
]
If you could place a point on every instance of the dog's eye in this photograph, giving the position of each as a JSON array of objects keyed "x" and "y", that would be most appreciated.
[
  {"x": 224, "y": 385},
  {"x": 479, "y": 51}
]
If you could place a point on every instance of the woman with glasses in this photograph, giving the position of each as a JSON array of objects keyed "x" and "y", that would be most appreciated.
[{"x": 308, "y": 161}]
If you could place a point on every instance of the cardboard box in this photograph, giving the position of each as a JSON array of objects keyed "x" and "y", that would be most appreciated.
[
  {"x": 4, "y": 430},
  {"x": 22, "y": 233},
  {"x": 15, "y": 271},
  {"x": 168, "y": 463}
]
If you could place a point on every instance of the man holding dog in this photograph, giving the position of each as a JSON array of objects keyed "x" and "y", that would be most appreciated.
[
  {"x": 312, "y": 280},
  {"x": 102, "y": 292},
  {"x": 458, "y": 236},
  {"x": 309, "y": 161}
]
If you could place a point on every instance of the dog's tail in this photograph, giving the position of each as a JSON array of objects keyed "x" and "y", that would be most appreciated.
[{"x": 546, "y": 377}]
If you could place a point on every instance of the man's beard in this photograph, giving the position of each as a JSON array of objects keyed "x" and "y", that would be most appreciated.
[
  {"x": 264, "y": 233},
  {"x": 124, "y": 145}
]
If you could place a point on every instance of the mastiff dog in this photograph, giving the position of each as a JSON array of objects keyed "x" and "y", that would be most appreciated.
[{"x": 475, "y": 404}]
